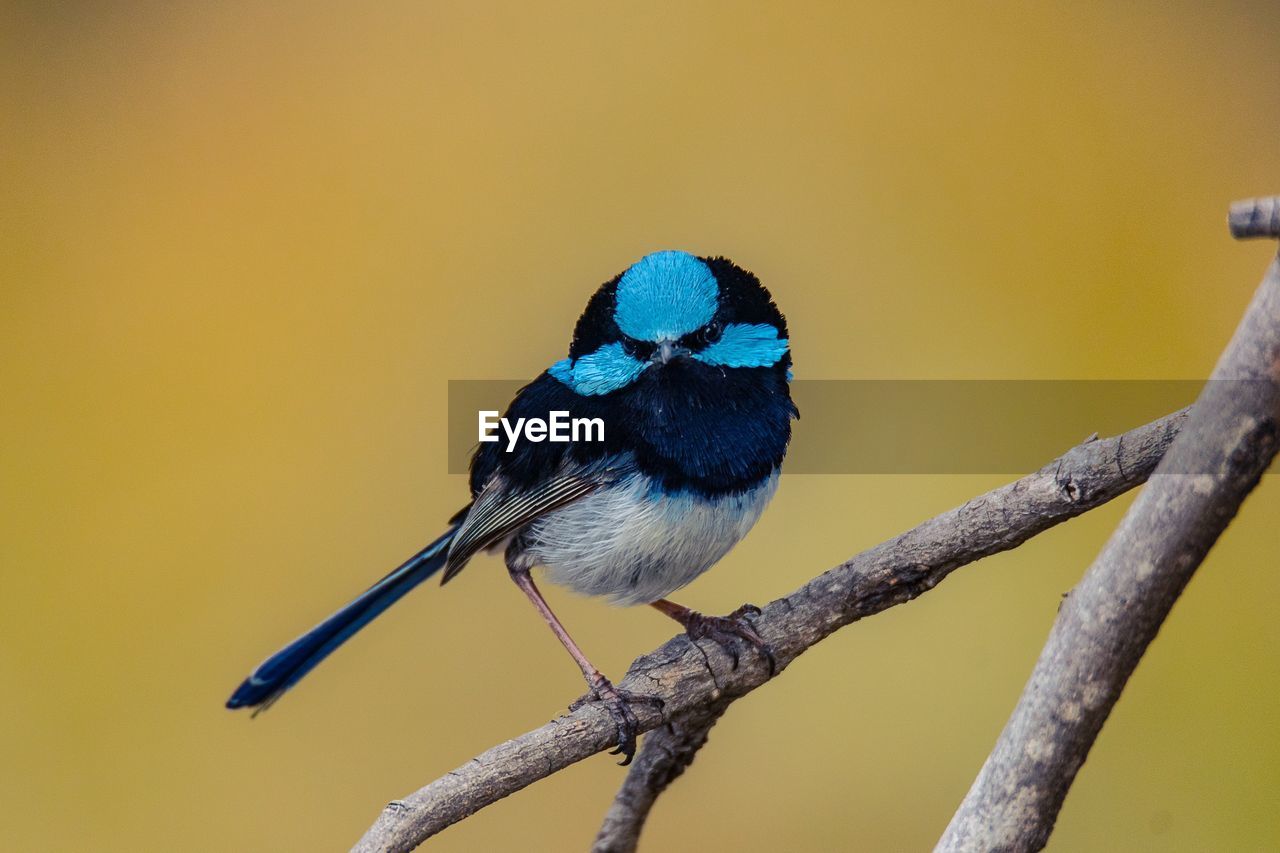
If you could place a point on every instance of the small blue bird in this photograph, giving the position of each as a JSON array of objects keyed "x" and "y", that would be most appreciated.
[{"x": 686, "y": 361}]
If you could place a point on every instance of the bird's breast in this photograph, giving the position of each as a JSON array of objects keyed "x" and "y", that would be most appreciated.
[
  {"x": 636, "y": 542},
  {"x": 696, "y": 427}
]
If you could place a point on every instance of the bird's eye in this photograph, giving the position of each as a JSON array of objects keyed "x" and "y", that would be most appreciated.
[
  {"x": 704, "y": 337},
  {"x": 641, "y": 350}
]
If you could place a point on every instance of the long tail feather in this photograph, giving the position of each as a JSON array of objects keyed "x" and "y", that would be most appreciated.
[{"x": 286, "y": 667}]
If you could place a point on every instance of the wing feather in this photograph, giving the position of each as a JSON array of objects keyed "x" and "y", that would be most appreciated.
[{"x": 498, "y": 512}]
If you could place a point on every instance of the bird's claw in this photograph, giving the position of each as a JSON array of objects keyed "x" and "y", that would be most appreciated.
[
  {"x": 618, "y": 703},
  {"x": 729, "y": 631}
]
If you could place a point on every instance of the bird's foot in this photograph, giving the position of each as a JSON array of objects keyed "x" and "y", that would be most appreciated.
[
  {"x": 618, "y": 703},
  {"x": 729, "y": 632}
]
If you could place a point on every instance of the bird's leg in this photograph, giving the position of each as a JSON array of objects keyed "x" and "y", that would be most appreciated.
[
  {"x": 616, "y": 701},
  {"x": 726, "y": 631}
]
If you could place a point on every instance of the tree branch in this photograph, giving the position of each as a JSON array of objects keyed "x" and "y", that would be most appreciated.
[
  {"x": 1255, "y": 217},
  {"x": 664, "y": 755},
  {"x": 1106, "y": 623},
  {"x": 690, "y": 676}
]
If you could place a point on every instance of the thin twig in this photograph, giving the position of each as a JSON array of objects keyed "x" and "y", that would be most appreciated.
[
  {"x": 1107, "y": 622},
  {"x": 665, "y": 754},
  {"x": 689, "y": 677},
  {"x": 1255, "y": 217}
]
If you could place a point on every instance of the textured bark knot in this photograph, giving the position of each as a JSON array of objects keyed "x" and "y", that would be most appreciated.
[{"x": 1070, "y": 489}]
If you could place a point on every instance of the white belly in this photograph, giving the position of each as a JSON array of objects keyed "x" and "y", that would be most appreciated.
[{"x": 634, "y": 544}]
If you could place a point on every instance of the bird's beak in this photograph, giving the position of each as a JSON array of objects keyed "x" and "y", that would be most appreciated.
[{"x": 668, "y": 350}]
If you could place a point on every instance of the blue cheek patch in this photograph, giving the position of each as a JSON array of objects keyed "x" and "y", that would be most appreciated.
[
  {"x": 741, "y": 345},
  {"x": 563, "y": 370},
  {"x": 607, "y": 369},
  {"x": 665, "y": 295}
]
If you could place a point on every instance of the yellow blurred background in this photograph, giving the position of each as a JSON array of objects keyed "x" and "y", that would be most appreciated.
[{"x": 245, "y": 246}]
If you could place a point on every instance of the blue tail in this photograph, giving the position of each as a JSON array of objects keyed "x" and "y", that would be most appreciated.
[{"x": 286, "y": 667}]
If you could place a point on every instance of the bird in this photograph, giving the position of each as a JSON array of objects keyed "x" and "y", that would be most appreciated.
[{"x": 687, "y": 362}]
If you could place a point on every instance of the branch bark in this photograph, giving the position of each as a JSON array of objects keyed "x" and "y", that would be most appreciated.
[
  {"x": 664, "y": 755},
  {"x": 690, "y": 677},
  {"x": 1255, "y": 217},
  {"x": 1107, "y": 622}
]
